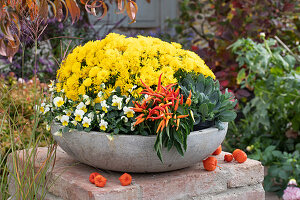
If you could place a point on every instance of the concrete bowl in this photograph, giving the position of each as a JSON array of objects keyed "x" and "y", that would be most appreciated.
[{"x": 134, "y": 153}]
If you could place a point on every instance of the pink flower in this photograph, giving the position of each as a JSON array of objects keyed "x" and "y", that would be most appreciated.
[{"x": 292, "y": 192}]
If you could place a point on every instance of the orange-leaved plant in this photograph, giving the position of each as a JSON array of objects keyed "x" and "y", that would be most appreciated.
[{"x": 168, "y": 111}]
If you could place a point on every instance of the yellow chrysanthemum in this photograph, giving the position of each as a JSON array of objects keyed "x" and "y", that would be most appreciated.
[{"x": 121, "y": 62}]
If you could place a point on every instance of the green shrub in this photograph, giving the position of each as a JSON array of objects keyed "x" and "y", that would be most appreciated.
[{"x": 270, "y": 126}]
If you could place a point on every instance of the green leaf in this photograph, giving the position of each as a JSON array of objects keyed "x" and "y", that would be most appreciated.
[
  {"x": 227, "y": 116},
  {"x": 65, "y": 129},
  {"x": 98, "y": 106},
  {"x": 168, "y": 130},
  {"x": 241, "y": 76},
  {"x": 203, "y": 109},
  {"x": 170, "y": 144},
  {"x": 178, "y": 147},
  {"x": 277, "y": 153},
  {"x": 79, "y": 127},
  {"x": 116, "y": 130},
  {"x": 282, "y": 174},
  {"x": 178, "y": 137}
]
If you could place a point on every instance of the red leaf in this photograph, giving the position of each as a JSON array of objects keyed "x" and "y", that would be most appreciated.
[
  {"x": 74, "y": 10},
  {"x": 43, "y": 9},
  {"x": 224, "y": 83},
  {"x": 131, "y": 9},
  {"x": 59, "y": 10}
]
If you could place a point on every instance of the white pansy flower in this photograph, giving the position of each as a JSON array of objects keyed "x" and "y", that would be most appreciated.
[
  {"x": 110, "y": 137},
  {"x": 102, "y": 115},
  {"x": 87, "y": 99},
  {"x": 262, "y": 34},
  {"x": 102, "y": 85},
  {"x": 64, "y": 120},
  {"x": 100, "y": 94},
  {"x": 37, "y": 107},
  {"x": 124, "y": 118},
  {"x": 48, "y": 127},
  {"x": 128, "y": 111},
  {"x": 127, "y": 100},
  {"x": 103, "y": 125},
  {"x": 104, "y": 106},
  {"x": 78, "y": 115},
  {"x": 132, "y": 126},
  {"x": 74, "y": 122},
  {"x": 86, "y": 122},
  {"x": 51, "y": 86},
  {"x": 81, "y": 106},
  {"x": 146, "y": 96},
  {"x": 68, "y": 112},
  {"x": 42, "y": 108},
  {"x": 133, "y": 87},
  {"x": 117, "y": 101},
  {"x": 20, "y": 80},
  {"x": 58, "y": 117},
  {"x": 91, "y": 116},
  {"x": 58, "y": 133},
  {"x": 47, "y": 108},
  {"x": 52, "y": 82},
  {"x": 58, "y": 101}
]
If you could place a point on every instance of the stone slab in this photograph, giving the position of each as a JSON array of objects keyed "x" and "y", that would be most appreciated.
[{"x": 69, "y": 180}]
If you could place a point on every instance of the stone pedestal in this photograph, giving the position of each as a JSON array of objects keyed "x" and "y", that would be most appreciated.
[{"x": 232, "y": 181}]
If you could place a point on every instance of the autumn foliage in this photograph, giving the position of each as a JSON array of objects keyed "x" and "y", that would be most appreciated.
[{"x": 13, "y": 12}]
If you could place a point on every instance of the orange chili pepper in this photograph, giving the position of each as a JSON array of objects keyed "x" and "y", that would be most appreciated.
[
  {"x": 176, "y": 106},
  {"x": 177, "y": 92},
  {"x": 163, "y": 125},
  {"x": 137, "y": 109},
  {"x": 170, "y": 85},
  {"x": 159, "y": 125},
  {"x": 140, "y": 120},
  {"x": 181, "y": 100},
  {"x": 146, "y": 86},
  {"x": 159, "y": 83},
  {"x": 167, "y": 120},
  {"x": 140, "y": 116},
  {"x": 177, "y": 123},
  {"x": 189, "y": 101},
  {"x": 182, "y": 116}
]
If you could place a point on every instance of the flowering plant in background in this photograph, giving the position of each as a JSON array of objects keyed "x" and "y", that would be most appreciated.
[
  {"x": 17, "y": 101},
  {"x": 129, "y": 86}
]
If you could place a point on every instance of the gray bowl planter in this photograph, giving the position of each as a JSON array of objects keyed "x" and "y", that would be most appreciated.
[{"x": 134, "y": 153}]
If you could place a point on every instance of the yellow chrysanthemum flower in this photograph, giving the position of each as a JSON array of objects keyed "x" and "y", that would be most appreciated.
[{"x": 121, "y": 62}]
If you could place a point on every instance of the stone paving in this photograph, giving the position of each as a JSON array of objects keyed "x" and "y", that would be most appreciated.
[{"x": 232, "y": 181}]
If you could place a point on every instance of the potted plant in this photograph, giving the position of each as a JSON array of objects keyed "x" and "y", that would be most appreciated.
[{"x": 137, "y": 105}]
